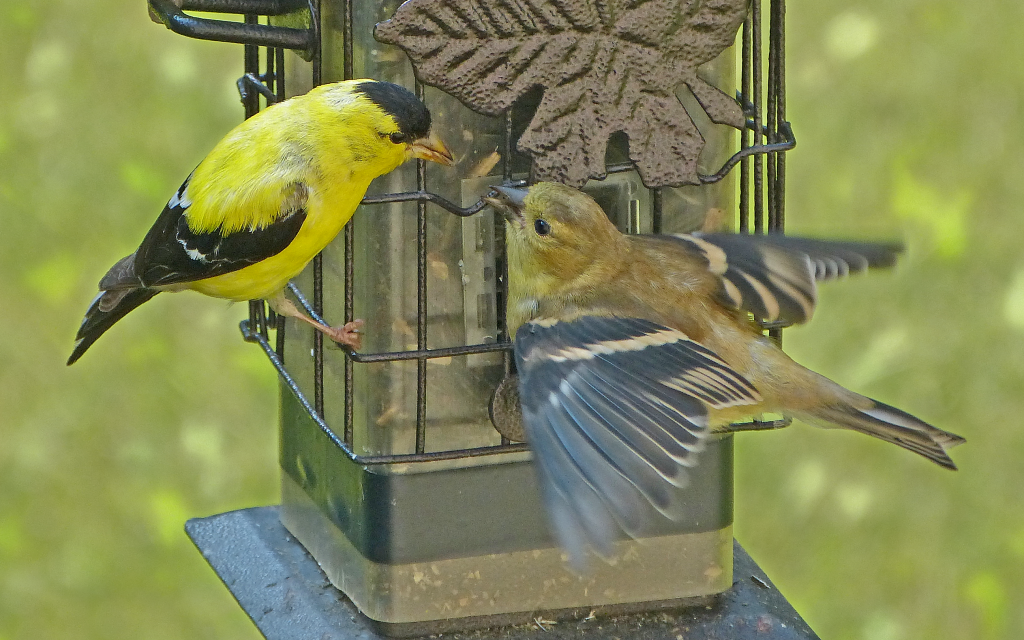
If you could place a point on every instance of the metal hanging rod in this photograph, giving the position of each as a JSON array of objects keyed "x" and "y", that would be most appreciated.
[{"x": 172, "y": 16}]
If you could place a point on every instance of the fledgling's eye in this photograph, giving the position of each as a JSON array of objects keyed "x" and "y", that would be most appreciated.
[
  {"x": 541, "y": 227},
  {"x": 397, "y": 137}
]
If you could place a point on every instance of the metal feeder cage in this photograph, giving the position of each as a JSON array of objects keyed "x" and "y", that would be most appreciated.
[{"x": 395, "y": 477}]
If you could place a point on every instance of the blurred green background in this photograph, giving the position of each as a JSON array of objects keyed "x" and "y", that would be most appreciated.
[{"x": 909, "y": 120}]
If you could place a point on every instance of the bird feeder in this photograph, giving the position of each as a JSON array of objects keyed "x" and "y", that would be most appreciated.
[{"x": 400, "y": 470}]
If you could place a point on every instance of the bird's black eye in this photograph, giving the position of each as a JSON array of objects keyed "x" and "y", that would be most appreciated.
[
  {"x": 398, "y": 137},
  {"x": 541, "y": 227}
]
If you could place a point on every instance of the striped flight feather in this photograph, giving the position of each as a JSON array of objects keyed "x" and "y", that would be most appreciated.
[
  {"x": 624, "y": 449},
  {"x": 712, "y": 384},
  {"x": 687, "y": 438},
  {"x": 769, "y": 303},
  {"x": 732, "y": 293},
  {"x": 608, "y": 347},
  {"x": 806, "y": 300},
  {"x": 714, "y": 396},
  {"x": 580, "y": 515},
  {"x": 773, "y": 276},
  {"x": 647, "y": 388},
  {"x": 616, "y": 411},
  {"x": 600, "y": 471}
]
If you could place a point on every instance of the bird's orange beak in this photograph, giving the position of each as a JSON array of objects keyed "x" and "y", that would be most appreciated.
[{"x": 431, "y": 148}]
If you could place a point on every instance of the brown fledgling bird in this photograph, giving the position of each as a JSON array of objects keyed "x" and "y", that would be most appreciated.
[{"x": 631, "y": 349}]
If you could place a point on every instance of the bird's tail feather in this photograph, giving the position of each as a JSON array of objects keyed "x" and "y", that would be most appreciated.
[
  {"x": 106, "y": 309},
  {"x": 892, "y": 425}
]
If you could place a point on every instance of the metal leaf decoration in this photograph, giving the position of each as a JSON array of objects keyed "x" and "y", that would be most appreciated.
[{"x": 604, "y": 66}]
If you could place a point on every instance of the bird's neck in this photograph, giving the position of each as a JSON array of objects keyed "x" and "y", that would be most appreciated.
[{"x": 557, "y": 292}]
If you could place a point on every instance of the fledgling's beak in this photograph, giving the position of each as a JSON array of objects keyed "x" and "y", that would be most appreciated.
[
  {"x": 431, "y": 148},
  {"x": 510, "y": 202}
]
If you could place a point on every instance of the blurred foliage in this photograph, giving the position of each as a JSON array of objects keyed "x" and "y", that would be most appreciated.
[
  {"x": 171, "y": 416},
  {"x": 908, "y": 114}
]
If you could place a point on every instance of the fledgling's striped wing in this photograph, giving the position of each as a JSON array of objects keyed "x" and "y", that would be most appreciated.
[
  {"x": 615, "y": 409},
  {"x": 773, "y": 276},
  {"x": 831, "y": 258}
]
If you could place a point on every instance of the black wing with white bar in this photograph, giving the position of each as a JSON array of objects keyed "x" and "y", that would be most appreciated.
[
  {"x": 773, "y": 276},
  {"x": 172, "y": 252}
]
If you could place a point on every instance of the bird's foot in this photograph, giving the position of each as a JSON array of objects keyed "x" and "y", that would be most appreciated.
[{"x": 349, "y": 335}]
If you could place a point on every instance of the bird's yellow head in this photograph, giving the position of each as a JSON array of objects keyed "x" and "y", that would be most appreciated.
[
  {"x": 554, "y": 233},
  {"x": 394, "y": 124}
]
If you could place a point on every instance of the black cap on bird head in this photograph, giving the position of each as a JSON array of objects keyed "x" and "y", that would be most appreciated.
[
  {"x": 411, "y": 115},
  {"x": 412, "y": 118}
]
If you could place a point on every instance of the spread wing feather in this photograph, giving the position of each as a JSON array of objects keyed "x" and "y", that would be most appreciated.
[
  {"x": 615, "y": 410},
  {"x": 773, "y": 276}
]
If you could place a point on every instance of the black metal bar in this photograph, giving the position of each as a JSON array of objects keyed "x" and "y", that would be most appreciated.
[
  {"x": 251, "y": 336},
  {"x": 426, "y": 354},
  {"x": 348, "y": 73},
  {"x": 252, "y": 68},
  {"x": 279, "y": 86},
  {"x": 315, "y": 47},
  {"x": 771, "y": 114},
  {"x": 501, "y": 263},
  {"x": 657, "y": 210},
  {"x": 251, "y": 105},
  {"x": 347, "y": 46},
  {"x": 263, "y": 319},
  {"x": 777, "y": 107},
  {"x": 424, "y": 196},
  {"x": 318, "y": 260},
  {"x": 755, "y": 425},
  {"x": 257, "y": 7},
  {"x": 770, "y": 325},
  {"x": 509, "y": 147},
  {"x": 501, "y": 266},
  {"x": 421, "y": 298},
  {"x": 773, "y": 148},
  {"x": 255, "y": 314},
  {"x": 756, "y": 71},
  {"x": 780, "y": 92},
  {"x": 222, "y": 31},
  {"x": 349, "y": 315},
  {"x": 788, "y": 142},
  {"x": 318, "y": 337},
  {"x": 280, "y": 338},
  {"x": 269, "y": 77},
  {"x": 744, "y": 204},
  {"x": 279, "y": 96},
  {"x": 251, "y": 81}
]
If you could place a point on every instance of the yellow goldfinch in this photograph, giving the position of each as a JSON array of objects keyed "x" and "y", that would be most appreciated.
[
  {"x": 272, "y": 194},
  {"x": 631, "y": 349}
]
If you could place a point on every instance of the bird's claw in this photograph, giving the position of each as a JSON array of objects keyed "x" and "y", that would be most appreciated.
[{"x": 349, "y": 335}]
